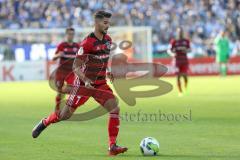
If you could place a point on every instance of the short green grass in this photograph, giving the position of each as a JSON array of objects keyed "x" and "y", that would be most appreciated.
[{"x": 212, "y": 133}]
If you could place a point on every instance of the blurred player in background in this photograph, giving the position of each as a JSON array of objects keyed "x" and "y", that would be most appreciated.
[
  {"x": 222, "y": 52},
  {"x": 65, "y": 53},
  {"x": 178, "y": 48},
  {"x": 91, "y": 77}
]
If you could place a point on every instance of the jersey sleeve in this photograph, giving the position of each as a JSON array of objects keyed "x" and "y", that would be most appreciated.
[
  {"x": 60, "y": 48},
  {"x": 84, "y": 48}
]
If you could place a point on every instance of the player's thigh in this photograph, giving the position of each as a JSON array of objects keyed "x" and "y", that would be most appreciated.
[
  {"x": 70, "y": 78},
  {"x": 182, "y": 69},
  {"x": 59, "y": 83},
  {"x": 69, "y": 83},
  {"x": 75, "y": 100},
  {"x": 59, "y": 78},
  {"x": 104, "y": 96}
]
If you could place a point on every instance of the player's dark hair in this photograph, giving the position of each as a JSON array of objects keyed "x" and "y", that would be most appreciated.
[
  {"x": 70, "y": 29},
  {"x": 102, "y": 14}
]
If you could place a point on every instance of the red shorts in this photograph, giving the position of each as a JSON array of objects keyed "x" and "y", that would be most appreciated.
[
  {"x": 62, "y": 77},
  {"x": 79, "y": 94},
  {"x": 182, "y": 69}
]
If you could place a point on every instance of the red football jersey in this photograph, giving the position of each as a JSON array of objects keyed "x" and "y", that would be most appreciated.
[
  {"x": 69, "y": 53},
  {"x": 96, "y": 54},
  {"x": 180, "y": 48}
]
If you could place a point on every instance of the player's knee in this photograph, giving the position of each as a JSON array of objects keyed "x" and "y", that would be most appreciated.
[
  {"x": 111, "y": 105},
  {"x": 63, "y": 117},
  {"x": 65, "y": 114},
  {"x": 115, "y": 110}
]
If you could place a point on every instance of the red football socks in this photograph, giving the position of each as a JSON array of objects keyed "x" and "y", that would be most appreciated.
[
  {"x": 113, "y": 127},
  {"x": 52, "y": 118}
]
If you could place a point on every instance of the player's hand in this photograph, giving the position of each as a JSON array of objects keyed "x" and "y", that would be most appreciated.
[
  {"x": 110, "y": 76},
  {"x": 88, "y": 83},
  {"x": 58, "y": 55},
  {"x": 55, "y": 58}
]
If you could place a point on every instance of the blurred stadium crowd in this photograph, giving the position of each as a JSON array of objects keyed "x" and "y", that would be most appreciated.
[{"x": 202, "y": 20}]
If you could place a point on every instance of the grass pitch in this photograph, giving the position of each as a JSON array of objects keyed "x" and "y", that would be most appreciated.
[{"x": 212, "y": 132}]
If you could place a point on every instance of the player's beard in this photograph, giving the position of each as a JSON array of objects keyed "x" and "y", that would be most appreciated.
[{"x": 104, "y": 31}]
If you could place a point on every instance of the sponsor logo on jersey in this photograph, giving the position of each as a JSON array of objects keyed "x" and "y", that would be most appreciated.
[
  {"x": 102, "y": 56},
  {"x": 108, "y": 45}
]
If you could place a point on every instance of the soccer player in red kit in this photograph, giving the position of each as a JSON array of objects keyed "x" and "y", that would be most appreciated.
[
  {"x": 91, "y": 76},
  {"x": 65, "y": 53},
  {"x": 179, "y": 48}
]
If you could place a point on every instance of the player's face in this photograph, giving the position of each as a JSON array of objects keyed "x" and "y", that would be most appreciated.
[
  {"x": 103, "y": 25},
  {"x": 70, "y": 35},
  {"x": 179, "y": 33},
  {"x": 223, "y": 33}
]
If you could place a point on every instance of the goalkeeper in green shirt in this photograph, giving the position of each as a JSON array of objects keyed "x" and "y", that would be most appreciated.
[{"x": 222, "y": 52}]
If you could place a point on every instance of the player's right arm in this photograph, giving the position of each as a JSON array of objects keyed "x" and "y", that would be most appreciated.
[
  {"x": 59, "y": 52},
  {"x": 79, "y": 66}
]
